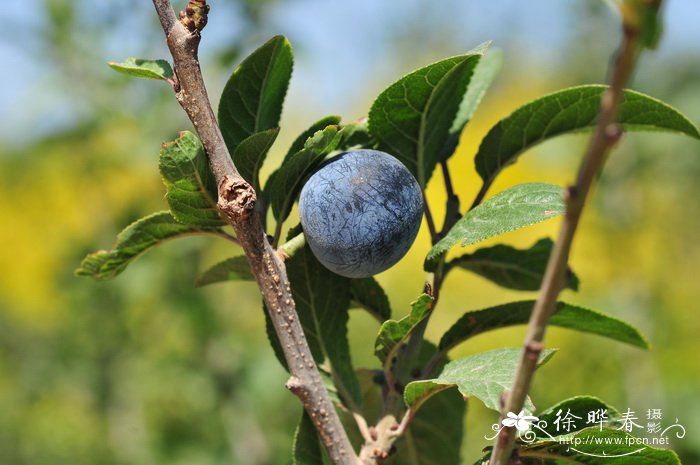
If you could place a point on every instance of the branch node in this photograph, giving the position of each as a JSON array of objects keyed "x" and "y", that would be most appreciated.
[
  {"x": 373, "y": 433},
  {"x": 570, "y": 193},
  {"x": 613, "y": 133},
  {"x": 282, "y": 255},
  {"x": 294, "y": 384},
  {"x": 195, "y": 15},
  {"x": 533, "y": 349},
  {"x": 236, "y": 197},
  {"x": 503, "y": 400}
]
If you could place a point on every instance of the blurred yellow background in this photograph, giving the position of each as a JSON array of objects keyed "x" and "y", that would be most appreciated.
[{"x": 146, "y": 369}]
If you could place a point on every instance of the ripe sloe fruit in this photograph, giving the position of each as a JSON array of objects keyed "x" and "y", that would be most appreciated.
[{"x": 360, "y": 212}]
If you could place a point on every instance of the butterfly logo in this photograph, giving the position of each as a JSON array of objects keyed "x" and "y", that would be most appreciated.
[{"x": 521, "y": 421}]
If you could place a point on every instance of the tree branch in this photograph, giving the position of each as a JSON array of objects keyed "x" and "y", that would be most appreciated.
[
  {"x": 237, "y": 201},
  {"x": 606, "y": 134}
]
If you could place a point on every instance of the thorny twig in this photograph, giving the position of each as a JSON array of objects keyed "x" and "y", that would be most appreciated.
[
  {"x": 605, "y": 136},
  {"x": 237, "y": 201}
]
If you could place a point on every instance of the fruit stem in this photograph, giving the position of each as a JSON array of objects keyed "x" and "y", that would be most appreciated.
[{"x": 293, "y": 245}]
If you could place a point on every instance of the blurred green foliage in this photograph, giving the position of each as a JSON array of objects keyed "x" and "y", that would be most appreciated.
[{"x": 148, "y": 369}]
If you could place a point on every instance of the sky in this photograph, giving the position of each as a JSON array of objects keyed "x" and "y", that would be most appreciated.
[{"x": 344, "y": 51}]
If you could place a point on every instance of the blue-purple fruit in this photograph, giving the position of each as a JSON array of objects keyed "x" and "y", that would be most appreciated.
[{"x": 361, "y": 212}]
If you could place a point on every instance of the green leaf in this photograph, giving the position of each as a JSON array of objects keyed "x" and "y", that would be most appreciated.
[
  {"x": 441, "y": 423},
  {"x": 134, "y": 240},
  {"x": 514, "y": 208},
  {"x": 417, "y": 393},
  {"x": 565, "y": 316},
  {"x": 591, "y": 446},
  {"x": 484, "y": 74},
  {"x": 191, "y": 188},
  {"x": 356, "y": 136},
  {"x": 283, "y": 188},
  {"x": 307, "y": 448},
  {"x": 300, "y": 141},
  {"x": 486, "y": 376},
  {"x": 435, "y": 434},
  {"x": 579, "y": 406},
  {"x": 250, "y": 155},
  {"x": 298, "y": 144},
  {"x": 519, "y": 269},
  {"x": 323, "y": 300},
  {"x": 368, "y": 294},
  {"x": 413, "y": 117},
  {"x": 392, "y": 333},
  {"x": 149, "y": 69},
  {"x": 566, "y": 111},
  {"x": 231, "y": 269},
  {"x": 253, "y": 96}
]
